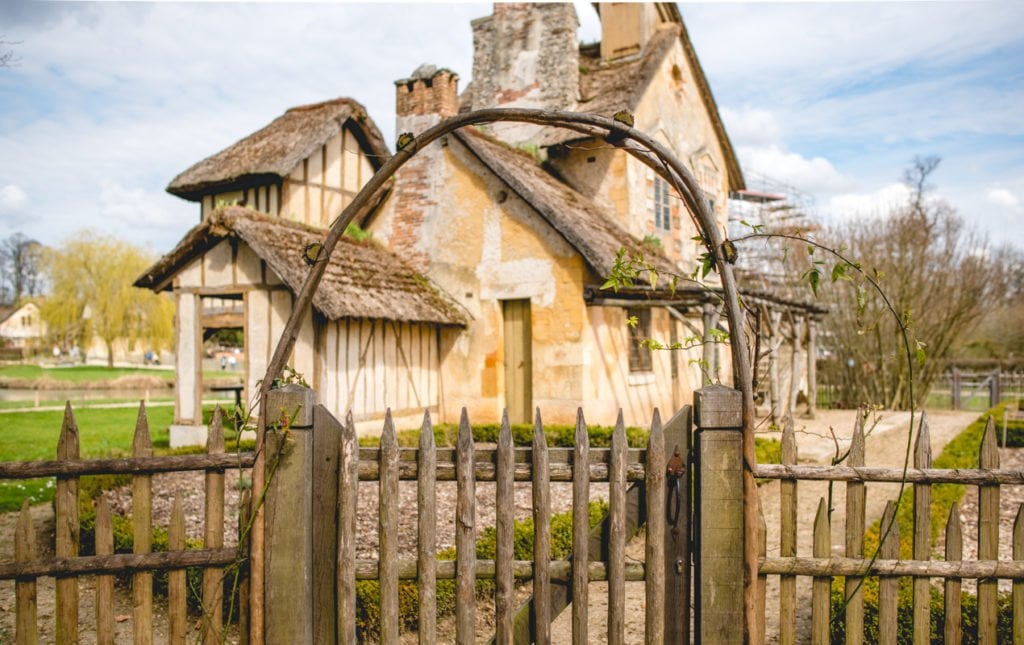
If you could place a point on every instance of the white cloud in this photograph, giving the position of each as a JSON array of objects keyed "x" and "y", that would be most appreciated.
[
  {"x": 810, "y": 175},
  {"x": 750, "y": 126},
  {"x": 135, "y": 207},
  {"x": 872, "y": 204},
  {"x": 1002, "y": 197},
  {"x": 12, "y": 199}
]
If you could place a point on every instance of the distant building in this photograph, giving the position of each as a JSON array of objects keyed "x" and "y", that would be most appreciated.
[{"x": 21, "y": 327}]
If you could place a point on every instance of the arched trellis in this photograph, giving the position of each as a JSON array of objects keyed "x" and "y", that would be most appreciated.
[{"x": 615, "y": 131}]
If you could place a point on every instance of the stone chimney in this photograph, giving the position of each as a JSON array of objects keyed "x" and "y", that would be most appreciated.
[
  {"x": 427, "y": 97},
  {"x": 526, "y": 55},
  {"x": 626, "y": 27}
]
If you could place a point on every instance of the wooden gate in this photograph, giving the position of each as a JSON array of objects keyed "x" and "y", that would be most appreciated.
[{"x": 313, "y": 505}]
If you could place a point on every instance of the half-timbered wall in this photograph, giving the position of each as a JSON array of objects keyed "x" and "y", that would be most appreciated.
[
  {"x": 368, "y": 366},
  {"x": 364, "y": 365},
  {"x": 326, "y": 181},
  {"x": 316, "y": 190},
  {"x": 265, "y": 199}
]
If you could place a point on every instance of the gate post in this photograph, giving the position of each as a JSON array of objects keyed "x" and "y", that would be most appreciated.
[
  {"x": 718, "y": 415},
  {"x": 955, "y": 398},
  {"x": 301, "y": 527}
]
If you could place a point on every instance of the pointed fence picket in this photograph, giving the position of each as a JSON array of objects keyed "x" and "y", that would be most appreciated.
[
  {"x": 67, "y": 565},
  {"x": 887, "y": 564}
]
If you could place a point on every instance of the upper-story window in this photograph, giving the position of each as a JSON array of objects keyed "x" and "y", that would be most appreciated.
[
  {"x": 639, "y": 353},
  {"x": 662, "y": 205}
]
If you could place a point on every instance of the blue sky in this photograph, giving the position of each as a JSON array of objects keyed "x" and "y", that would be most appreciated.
[{"x": 107, "y": 102}]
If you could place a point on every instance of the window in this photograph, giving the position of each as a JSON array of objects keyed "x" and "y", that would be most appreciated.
[
  {"x": 639, "y": 354},
  {"x": 662, "y": 210}
]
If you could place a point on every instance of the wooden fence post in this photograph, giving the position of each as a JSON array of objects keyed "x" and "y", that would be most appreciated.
[
  {"x": 718, "y": 415},
  {"x": 812, "y": 367},
  {"x": 301, "y": 526}
]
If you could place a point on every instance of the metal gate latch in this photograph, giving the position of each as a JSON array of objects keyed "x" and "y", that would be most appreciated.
[{"x": 674, "y": 471}]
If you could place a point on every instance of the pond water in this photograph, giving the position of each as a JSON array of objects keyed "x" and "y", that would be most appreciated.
[{"x": 30, "y": 397}]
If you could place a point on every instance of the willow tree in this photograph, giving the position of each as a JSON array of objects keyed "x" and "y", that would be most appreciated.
[
  {"x": 90, "y": 279},
  {"x": 936, "y": 273}
]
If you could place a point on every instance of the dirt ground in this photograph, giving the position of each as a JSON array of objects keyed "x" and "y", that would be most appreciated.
[{"x": 886, "y": 446}]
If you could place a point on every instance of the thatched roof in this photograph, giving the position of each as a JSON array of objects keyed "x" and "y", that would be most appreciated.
[
  {"x": 607, "y": 87},
  {"x": 583, "y": 224},
  {"x": 274, "y": 151},
  {"x": 363, "y": 279}
]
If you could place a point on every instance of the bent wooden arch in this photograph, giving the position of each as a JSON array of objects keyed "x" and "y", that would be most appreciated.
[{"x": 637, "y": 143}]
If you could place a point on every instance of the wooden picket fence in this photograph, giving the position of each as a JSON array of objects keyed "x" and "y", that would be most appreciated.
[
  {"x": 67, "y": 566},
  {"x": 888, "y": 565},
  {"x": 311, "y": 567}
]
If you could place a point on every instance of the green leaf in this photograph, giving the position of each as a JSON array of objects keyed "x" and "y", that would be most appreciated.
[
  {"x": 839, "y": 272},
  {"x": 813, "y": 277},
  {"x": 651, "y": 343},
  {"x": 810, "y": 249},
  {"x": 707, "y": 264},
  {"x": 632, "y": 321},
  {"x": 921, "y": 353},
  {"x": 862, "y": 300}
]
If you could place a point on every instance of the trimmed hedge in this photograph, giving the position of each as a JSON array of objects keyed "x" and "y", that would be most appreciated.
[
  {"x": 769, "y": 451},
  {"x": 558, "y": 436},
  {"x": 905, "y": 614}
]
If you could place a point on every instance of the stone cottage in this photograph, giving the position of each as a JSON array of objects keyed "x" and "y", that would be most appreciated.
[{"x": 480, "y": 285}]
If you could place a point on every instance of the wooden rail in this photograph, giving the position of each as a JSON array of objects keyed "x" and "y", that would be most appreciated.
[
  {"x": 887, "y": 565},
  {"x": 969, "y": 476},
  {"x": 67, "y": 565}
]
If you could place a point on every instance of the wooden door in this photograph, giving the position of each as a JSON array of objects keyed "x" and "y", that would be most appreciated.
[{"x": 518, "y": 360}]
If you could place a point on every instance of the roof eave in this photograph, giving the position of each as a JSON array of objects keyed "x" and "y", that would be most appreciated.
[{"x": 196, "y": 192}]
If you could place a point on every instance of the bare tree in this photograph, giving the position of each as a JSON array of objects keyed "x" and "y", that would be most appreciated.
[
  {"x": 1000, "y": 334},
  {"x": 7, "y": 57},
  {"x": 20, "y": 270},
  {"x": 937, "y": 274}
]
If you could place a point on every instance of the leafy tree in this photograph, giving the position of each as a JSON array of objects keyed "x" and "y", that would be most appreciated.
[
  {"x": 19, "y": 268},
  {"x": 936, "y": 273},
  {"x": 91, "y": 293}
]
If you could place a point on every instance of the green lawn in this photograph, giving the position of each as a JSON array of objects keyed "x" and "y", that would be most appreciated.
[
  {"x": 79, "y": 374},
  {"x": 30, "y": 436}
]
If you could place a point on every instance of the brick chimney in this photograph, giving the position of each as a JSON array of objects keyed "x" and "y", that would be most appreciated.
[
  {"x": 425, "y": 98},
  {"x": 421, "y": 101},
  {"x": 526, "y": 55}
]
